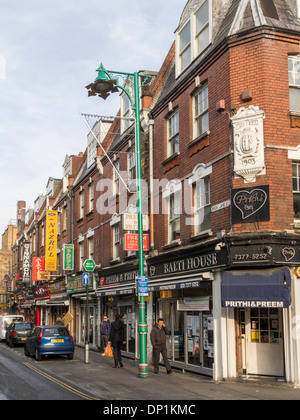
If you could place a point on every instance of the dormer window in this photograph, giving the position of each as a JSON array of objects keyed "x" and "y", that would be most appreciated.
[
  {"x": 185, "y": 46},
  {"x": 202, "y": 27},
  {"x": 193, "y": 35}
]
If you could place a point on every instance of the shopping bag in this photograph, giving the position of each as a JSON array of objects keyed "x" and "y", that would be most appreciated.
[{"x": 108, "y": 351}]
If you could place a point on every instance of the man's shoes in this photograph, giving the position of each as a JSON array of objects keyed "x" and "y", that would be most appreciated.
[
  {"x": 121, "y": 364},
  {"x": 115, "y": 366},
  {"x": 169, "y": 371}
]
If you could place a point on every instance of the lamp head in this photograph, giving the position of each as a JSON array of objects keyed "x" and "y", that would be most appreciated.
[{"x": 103, "y": 86}]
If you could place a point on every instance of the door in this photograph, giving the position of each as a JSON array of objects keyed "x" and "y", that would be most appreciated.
[{"x": 264, "y": 342}]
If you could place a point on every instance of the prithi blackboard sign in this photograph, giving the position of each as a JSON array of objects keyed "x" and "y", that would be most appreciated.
[{"x": 251, "y": 205}]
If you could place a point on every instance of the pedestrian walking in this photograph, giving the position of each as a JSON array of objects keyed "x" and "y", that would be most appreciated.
[
  {"x": 59, "y": 321},
  {"x": 117, "y": 338},
  {"x": 158, "y": 337},
  {"x": 105, "y": 332}
]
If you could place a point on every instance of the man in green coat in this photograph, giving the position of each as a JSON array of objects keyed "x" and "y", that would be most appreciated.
[{"x": 158, "y": 341}]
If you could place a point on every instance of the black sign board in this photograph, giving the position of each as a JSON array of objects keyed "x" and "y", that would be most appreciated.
[{"x": 250, "y": 205}]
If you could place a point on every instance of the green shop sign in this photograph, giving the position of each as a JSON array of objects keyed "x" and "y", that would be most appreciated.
[
  {"x": 75, "y": 285},
  {"x": 68, "y": 257}
]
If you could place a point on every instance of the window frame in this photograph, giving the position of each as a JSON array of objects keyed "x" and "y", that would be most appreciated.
[
  {"x": 200, "y": 190},
  {"x": 294, "y": 88},
  {"x": 172, "y": 135},
  {"x": 199, "y": 116},
  {"x": 116, "y": 240},
  {"x": 195, "y": 34}
]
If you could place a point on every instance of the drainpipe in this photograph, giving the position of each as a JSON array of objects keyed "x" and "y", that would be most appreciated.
[{"x": 151, "y": 132}]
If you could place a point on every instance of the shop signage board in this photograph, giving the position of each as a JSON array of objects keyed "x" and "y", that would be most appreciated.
[
  {"x": 43, "y": 276},
  {"x": 38, "y": 265},
  {"x": 68, "y": 257},
  {"x": 250, "y": 205},
  {"x": 89, "y": 265},
  {"x": 130, "y": 221},
  {"x": 132, "y": 242},
  {"x": 51, "y": 240},
  {"x": 26, "y": 261},
  {"x": 75, "y": 285}
]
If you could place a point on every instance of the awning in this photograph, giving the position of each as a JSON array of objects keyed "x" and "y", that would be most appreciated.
[
  {"x": 127, "y": 289},
  {"x": 270, "y": 288}
]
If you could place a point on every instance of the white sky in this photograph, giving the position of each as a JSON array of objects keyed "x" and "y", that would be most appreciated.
[{"x": 49, "y": 51}]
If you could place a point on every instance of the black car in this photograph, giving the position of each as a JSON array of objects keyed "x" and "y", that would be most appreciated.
[{"x": 18, "y": 332}]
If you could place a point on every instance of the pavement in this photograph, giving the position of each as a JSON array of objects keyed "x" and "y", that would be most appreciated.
[{"x": 101, "y": 380}]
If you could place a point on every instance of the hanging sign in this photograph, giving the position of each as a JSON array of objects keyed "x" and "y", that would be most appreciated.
[
  {"x": 26, "y": 262},
  {"x": 68, "y": 257},
  {"x": 38, "y": 265},
  {"x": 51, "y": 240},
  {"x": 132, "y": 242}
]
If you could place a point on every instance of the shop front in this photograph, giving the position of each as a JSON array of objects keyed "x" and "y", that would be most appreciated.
[
  {"x": 259, "y": 293},
  {"x": 117, "y": 295},
  {"x": 58, "y": 303},
  {"x": 78, "y": 304},
  {"x": 42, "y": 296},
  {"x": 183, "y": 295}
]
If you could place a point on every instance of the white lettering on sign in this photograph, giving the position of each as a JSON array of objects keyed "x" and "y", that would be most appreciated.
[{"x": 192, "y": 263}]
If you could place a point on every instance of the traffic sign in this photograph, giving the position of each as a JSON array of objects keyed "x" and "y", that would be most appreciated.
[
  {"x": 89, "y": 265},
  {"x": 85, "y": 279},
  {"x": 143, "y": 285}
]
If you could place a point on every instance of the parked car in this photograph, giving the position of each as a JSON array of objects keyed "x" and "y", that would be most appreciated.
[
  {"x": 49, "y": 340},
  {"x": 5, "y": 321},
  {"x": 17, "y": 333}
]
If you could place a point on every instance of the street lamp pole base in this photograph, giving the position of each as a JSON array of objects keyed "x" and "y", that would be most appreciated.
[
  {"x": 143, "y": 371},
  {"x": 86, "y": 353}
]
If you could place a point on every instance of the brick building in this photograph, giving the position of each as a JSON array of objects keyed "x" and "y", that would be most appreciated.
[{"x": 226, "y": 144}]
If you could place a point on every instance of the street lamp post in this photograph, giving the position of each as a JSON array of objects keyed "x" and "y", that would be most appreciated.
[{"x": 108, "y": 82}]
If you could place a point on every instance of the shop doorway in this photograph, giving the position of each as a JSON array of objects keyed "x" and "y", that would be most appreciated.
[
  {"x": 91, "y": 325},
  {"x": 263, "y": 352},
  {"x": 191, "y": 342}
]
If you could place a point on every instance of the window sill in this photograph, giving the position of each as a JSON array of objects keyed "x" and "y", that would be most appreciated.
[
  {"x": 294, "y": 119},
  {"x": 202, "y": 235},
  {"x": 173, "y": 244},
  {"x": 116, "y": 261},
  {"x": 80, "y": 220},
  {"x": 90, "y": 213},
  {"x": 199, "y": 143},
  {"x": 171, "y": 162}
]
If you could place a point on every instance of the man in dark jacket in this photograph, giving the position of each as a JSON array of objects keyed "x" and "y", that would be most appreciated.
[
  {"x": 105, "y": 332},
  {"x": 158, "y": 341},
  {"x": 117, "y": 338}
]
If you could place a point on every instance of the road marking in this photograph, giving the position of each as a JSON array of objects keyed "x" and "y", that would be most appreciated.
[{"x": 62, "y": 384}]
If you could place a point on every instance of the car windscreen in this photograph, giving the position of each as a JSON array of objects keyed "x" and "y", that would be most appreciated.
[
  {"x": 8, "y": 321},
  {"x": 55, "y": 332},
  {"x": 23, "y": 327}
]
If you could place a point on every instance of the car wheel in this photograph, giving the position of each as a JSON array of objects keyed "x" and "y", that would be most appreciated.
[
  {"x": 38, "y": 357},
  {"x": 26, "y": 351},
  {"x": 11, "y": 344},
  {"x": 70, "y": 356}
]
